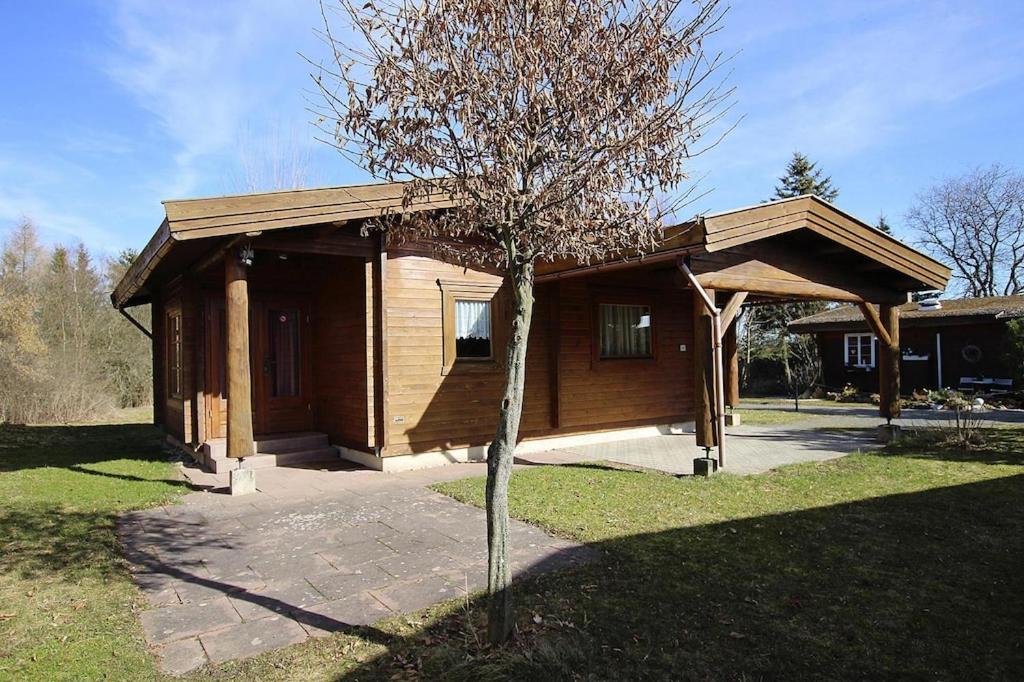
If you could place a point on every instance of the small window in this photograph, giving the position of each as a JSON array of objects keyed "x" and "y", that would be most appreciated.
[
  {"x": 472, "y": 330},
  {"x": 174, "y": 355},
  {"x": 860, "y": 350},
  {"x": 625, "y": 331}
]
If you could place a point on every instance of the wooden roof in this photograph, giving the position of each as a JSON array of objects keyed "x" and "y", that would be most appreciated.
[
  {"x": 225, "y": 216},
  {"x": 727, "y": 230},
  {"x": 952, "y": 311},
  {"x": 194, "y": 227}
]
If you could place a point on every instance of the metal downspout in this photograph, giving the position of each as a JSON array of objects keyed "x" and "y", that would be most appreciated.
[{"x": 716, "y": 345}]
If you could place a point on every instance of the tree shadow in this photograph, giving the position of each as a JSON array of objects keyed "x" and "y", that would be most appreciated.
[
  {"x": 918, "y": 585},
  {"x": 36, "y": 446}
]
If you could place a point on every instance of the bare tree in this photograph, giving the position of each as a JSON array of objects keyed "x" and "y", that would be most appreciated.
[
  {"x": 976, "y": 223},
  {"x": 279, "y": 160},
  {"x": 558, "y": 128}
]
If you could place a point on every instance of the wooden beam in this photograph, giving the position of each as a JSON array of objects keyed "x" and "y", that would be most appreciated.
[
  {"x": 379, "y": 263},
  {"x": 328, "y": 245},
  {"x": 703, "y": 371},
  {"x": 732, "y": 368},
  {"x": 889, "y": 364},
  {"x": 239, "y": 377},
  {"x": 554, "y": 342},
  {"x": 731, "y": 307},
  {"x": 875, "y": 322}
]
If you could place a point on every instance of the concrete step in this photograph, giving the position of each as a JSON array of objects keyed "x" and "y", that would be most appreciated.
[
  {"x": 267, "y": 460},
  {"x": 271, "y": 444}
]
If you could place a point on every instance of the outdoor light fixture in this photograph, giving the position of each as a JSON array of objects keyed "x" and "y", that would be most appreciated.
[{"x": 246, "y": 254}]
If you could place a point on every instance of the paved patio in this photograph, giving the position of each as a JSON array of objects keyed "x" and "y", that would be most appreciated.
[
  {"x": 322, "y": 551},
  {"x": 749, "y": 450},
  {"x": 318, "y": 550}
]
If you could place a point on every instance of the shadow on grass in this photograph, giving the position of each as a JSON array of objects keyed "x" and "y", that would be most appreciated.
[
  {"x": 76, "y": 447},
  {"x": 919, "y": 585}
]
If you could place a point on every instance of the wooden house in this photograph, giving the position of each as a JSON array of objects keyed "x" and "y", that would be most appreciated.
[
  {"x": 957, "y": 343},
  {"x": 393, "y": 357}
]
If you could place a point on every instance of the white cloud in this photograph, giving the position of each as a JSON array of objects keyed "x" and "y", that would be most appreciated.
[{"x": 207, "y": 70}]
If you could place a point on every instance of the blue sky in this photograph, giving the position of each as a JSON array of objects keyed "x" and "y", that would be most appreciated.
[{"x": 108, "y": 107}]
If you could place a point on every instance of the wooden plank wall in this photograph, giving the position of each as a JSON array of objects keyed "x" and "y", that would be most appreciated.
[
  {"x": 430, "y": 411},
  {"x": 340, "y": 353}
]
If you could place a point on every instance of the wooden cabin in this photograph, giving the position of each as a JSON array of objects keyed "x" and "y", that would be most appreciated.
[
  {"x": 393, "y": 358},
  {"x": 957, "y": 343}
]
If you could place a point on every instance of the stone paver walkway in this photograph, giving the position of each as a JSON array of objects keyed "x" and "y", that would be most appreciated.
[
  {"x": 232, "y": 577},
  {"x": 749, "y": 450}
]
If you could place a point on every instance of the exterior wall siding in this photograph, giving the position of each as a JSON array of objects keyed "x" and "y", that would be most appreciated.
[
  {"x": 429, "y": 410},
  {"x": 990, "y": 338}
]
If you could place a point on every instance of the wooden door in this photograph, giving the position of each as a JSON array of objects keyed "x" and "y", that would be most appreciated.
[
  {"x": 281, "y": 367},
  {"x": 216, "y": 393}
]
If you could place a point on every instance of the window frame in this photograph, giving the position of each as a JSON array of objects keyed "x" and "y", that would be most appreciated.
[
  {"x": 634, "y": 298},
  {"x": 454, "y": 290},
  {"x": 490, "y": 328},
  {"x": 846, "y": 350},
  {"x": 174, "y": 352}
]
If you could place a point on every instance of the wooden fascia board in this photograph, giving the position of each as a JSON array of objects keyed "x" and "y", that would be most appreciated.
[
  {"x": 156, "y": 248},
  {"x": 735, "y": 228}
]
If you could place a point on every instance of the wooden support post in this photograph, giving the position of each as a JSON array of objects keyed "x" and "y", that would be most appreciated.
[
  {"x": 703, "y": 372},
  {"x": 239, "y": 377},
  {"x": 732, "y": 368},
  {"x": 889, "y": 363}
]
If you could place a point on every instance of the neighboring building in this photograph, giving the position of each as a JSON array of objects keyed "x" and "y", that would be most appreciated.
[
  {"x": 394, "y": 357},
  {"x": 944, "y": 343}
]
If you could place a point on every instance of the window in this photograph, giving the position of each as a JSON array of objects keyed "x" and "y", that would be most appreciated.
[
  {"x": 860, "y": 350},
  {"x": 625, "y": 330},
  {"x": 472, "y": 330},
  {"x": 174, "y": 355},
  {"x": 472, "y": 318}
]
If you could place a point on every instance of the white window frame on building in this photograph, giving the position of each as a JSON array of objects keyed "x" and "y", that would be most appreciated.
[{"x": 860, "y": 350}]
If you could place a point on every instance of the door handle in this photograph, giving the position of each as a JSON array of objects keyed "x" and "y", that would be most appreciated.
[{"x": 266, "y": 364}]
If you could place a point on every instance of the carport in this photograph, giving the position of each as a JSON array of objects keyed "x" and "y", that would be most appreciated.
[{"x": 802, "y": 248}]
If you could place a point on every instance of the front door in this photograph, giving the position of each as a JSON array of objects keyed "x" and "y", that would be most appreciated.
[
  {"x": 279, "y": 343},
  {"x": 281, "y": 370}
]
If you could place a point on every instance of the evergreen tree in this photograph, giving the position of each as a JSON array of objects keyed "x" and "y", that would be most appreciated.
[
  {"x": 804, "y": 177},
  {"x": 768, "y": 325},
  {"x": 883, "y": 224}
]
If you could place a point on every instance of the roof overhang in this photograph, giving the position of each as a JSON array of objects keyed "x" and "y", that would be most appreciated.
[
  {"x": 759, "y": 248},
  {"x": 221, "y": 218}
]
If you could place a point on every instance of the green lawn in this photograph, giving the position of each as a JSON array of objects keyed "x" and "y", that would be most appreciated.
[
  {"x": 896, "y": 564},
  {"x": 772, "y": 417},
  {"x": 903, "y": 564},
  {"x": 67, "y": 605}
]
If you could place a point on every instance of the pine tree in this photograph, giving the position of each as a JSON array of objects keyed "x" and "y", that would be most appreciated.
[
  {"x": 804, "y": 177},
  {"x": 770, "y": 323},
  {"x": 883, "y": 224}
]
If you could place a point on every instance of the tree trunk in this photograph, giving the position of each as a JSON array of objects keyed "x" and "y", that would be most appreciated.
[{"x": 500, "y": 454}]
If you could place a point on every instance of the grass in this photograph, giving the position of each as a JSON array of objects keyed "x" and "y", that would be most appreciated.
[
  {"x": 770, "y": 417},
  {"x": 67, "y": 605},
  {"x": 903, "y": 563}
]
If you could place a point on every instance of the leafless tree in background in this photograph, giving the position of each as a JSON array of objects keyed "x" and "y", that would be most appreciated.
[
  {"x": 976, "y": 223},
  {"x": 65, "y": 353},
  {"x": 279, "y": 160},
  {"x": 558, "y": 126}
]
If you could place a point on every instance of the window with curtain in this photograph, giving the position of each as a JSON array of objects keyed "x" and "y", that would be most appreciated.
[
  {"x": 472, "y": 330},
  {"x": 625, "y": 331},
  {"x": 174, "y": 355},
  {"x": 860, "y": 350}
]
